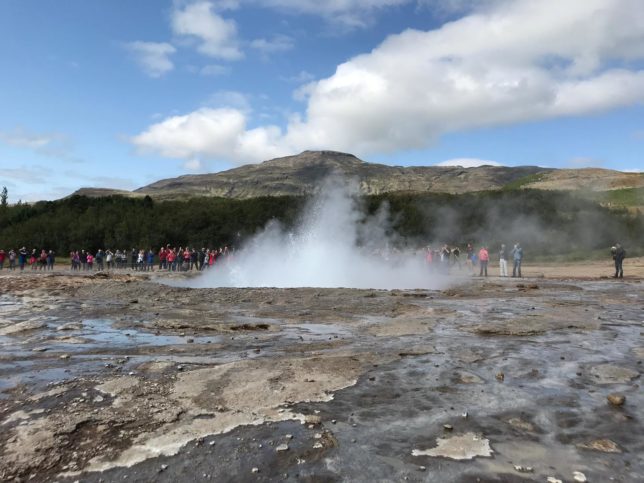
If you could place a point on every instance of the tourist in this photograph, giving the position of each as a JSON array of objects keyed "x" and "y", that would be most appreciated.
[
  {"x": 517, "y": 256},
  {"x": 51, "y": 260},
  {"x": 456, "y": 254},
  {"x": 150, "y": 260},
  {"x": 99, "y": 259},
  {"x": 32, "y": 259},
  {"x": 109, "y": 257},
  {"x": 484, "y": 256},
  {"x": 83, "y": 260},
  {"x": 90, "y": 261},
  {"x": 12, "y": 259},
  {"x": 503, "y": 263},
  {"x": 618, "y": 255},
  {"x": 42, "y": 260},
  {"x": 469, "y": 251},
  {"x": 22, "y": 258},
  {"x": 162, "y": 258},
  {"x": 3, "y": 255}
]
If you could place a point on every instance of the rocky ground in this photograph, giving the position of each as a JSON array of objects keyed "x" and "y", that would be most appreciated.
[{"x": 119, "y": 377}]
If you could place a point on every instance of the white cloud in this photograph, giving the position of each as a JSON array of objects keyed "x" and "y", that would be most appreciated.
[
  {"x": 216, "y": 36},
  {"x": 193, "y": 165},
  {"x": 152, "y": 57},
  {"x": 213, "y": 133},
  {"x": 278, "y": 43},
  {"x": 523, "y": 61},
  {"x": 52, "y": 145},
  {"x": 468, "y": 162},
  {"x": 348, "y": 13}
]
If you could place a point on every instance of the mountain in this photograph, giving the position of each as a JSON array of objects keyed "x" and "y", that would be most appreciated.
[{"x": 302, "y": 174}]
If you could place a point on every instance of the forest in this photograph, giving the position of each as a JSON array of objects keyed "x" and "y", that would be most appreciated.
[{"x": 545, "y": 222}]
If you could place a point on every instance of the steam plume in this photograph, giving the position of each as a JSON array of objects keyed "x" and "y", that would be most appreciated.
[{"x": 335, "y": 245}]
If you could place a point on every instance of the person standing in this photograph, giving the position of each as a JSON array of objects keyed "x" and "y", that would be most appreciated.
[
  {"x": 12, "y": 259},
  {"x": 517, "y": 256},
  {"x": 51, "y": 260},
  {"x": 484, "y": 257},
  {"x": 22, "y": 258},
  {"x": 100, "y": 256},
  {"x": 503, "y": 262},
  {"x": 618, "y": 255}
]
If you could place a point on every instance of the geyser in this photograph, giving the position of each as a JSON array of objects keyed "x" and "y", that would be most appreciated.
[{"x": 334, "y": 245}]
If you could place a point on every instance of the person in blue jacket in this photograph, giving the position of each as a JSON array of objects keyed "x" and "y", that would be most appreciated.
[{"x": 517, "y": 256}]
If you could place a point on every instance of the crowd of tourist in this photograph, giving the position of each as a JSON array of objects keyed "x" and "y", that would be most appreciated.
[
  {"x": 167, "y": 258},
  {"x": 446, "y": 258}
]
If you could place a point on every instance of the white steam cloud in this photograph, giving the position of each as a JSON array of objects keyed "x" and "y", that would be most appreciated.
[{"x": 336, "y": 245}]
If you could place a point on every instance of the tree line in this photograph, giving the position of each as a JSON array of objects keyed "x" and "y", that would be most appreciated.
[{"x": 545, "y": 222}]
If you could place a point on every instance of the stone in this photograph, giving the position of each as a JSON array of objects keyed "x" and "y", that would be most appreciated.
[
  {"x": 447, "y": 427},
  {"x": 579, "y": 476},
  {"x": 524, "y": 469},
  {"x": 603, "y": 445},
  {"x": 255, "y": 470},
  {"x": 312, "y": 419},
  {"x": 616, "y": 399},
  {"x": 318, "y": 446},
  {"x": 64, "y": 356},
  {"x": 552, "y": 479},
  {"x": 282, "y": 447},
  {"x": 500, "y": 376}
]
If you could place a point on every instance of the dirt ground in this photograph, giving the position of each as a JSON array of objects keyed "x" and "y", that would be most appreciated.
[{"x": 113, "y": 377}]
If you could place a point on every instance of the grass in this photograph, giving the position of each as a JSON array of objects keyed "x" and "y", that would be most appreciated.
[{"x": 526, "y": 180}]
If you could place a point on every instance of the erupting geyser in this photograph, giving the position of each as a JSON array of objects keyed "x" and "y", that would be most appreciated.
[{"x": 335, "y": 245}]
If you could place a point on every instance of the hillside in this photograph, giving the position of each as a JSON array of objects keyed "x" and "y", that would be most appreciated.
[{"x": 303, "y": 173}]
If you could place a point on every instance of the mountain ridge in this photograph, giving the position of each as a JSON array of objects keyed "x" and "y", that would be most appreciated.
[{"x": 302, "y": 175}]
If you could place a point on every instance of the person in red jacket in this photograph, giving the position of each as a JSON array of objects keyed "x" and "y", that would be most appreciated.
[{"x": 484, "y": 256}]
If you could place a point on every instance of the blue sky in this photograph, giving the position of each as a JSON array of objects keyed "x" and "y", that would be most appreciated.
[{"x": 122, "y": 93}]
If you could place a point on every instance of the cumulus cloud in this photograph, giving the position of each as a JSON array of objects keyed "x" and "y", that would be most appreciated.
[
  {"x": 468, "y": 162},
  {"x": 216, "y": 36},
  {"x": 524, "y": 60},
  {"x": 152, "y": 57}
]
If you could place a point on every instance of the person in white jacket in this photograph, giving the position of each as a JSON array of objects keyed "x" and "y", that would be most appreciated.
[{"x": 503, "y": 262}]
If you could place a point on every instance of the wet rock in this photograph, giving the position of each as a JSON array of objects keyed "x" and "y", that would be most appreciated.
[
  {"x": 461, "y": 447},
  {"x": 469, "y": 378},
  {"x": 255, "y": 470},
  {"x": 70, "y": 326},
  {"x": 64, "y": 356},
  {"x": 616, "y": 399},
  {"x": 612, "y": 374},
  {"x": 447, "y": 427},
  {"x": 500, "y": 376},
  {"x": 22, "y": 327},
  {"x": 552, "y": 479},
  {"x": 521, "y": 424},
  {"x": 603, "y": 445},
  {"x": 318, "y": 445},
  {"x": 281, "y": 448},
  {"x": 39, "y": 349},
  {"x": 190, "y": 340}
]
